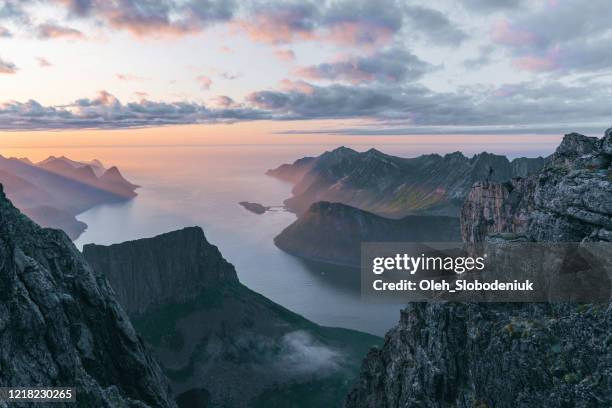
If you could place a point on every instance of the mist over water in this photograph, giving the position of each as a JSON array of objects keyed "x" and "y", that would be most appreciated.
[{"x": 202, "y": 185}]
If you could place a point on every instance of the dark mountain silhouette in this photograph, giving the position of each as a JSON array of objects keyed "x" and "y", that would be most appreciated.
[{"x": 333, "y": 232}]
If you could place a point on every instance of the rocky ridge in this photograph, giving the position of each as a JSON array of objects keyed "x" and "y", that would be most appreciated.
[
  {"x": 195, "y": 265},
  {"x": 545, "y": 354},
  {"x": 392, "y": 186},
  {"x": 570, "y": 200},
  {"x": 60, "y": 324}
]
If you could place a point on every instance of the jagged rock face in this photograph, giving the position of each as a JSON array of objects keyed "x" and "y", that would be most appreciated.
[
  {"x": 573, "y": 195},
  {"x": 333, "y": 232},
  {"x": 570, "y": 200},
  {"x": 496, "y": 207},
  {"x": 60, "y": 324},
  {"x": 179, "y": 265},
  {"x": 507, "y": 355},
  {"x": 393, "y": 186},
  {"x": 495, "y": 355}
]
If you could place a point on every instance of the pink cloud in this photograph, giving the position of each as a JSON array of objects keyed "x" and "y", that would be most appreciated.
[
  {"x": 271, "y": 30},
  {"x": 504, "y": 33},
  {"x": 296, "y": 86},
  {"x": 285, "y": 55},
  {"x": 5, "y": 32},
  {"x": 51, "y": 31},
  {"x": 7, "y": 67},
  {"x": 127, "y": 77},
  {"x": 204, "y": 81},
  {"x": 223, "y": 101},
  {"x": 359, "y": 32},
  {"x": 535, "y": 64},
  {"x": 44, "y": 63}
]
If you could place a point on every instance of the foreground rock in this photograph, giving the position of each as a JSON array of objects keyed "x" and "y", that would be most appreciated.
[
  {"x": 218, "y": 341},
  {"x": 60, "y": 324},
  {"x": 493, "y": 355},
  {"x": 333, "y": 232},
  {"x": 508, "y": 355}
]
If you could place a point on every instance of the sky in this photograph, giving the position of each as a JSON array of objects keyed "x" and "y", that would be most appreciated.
[{"x": 303, "y": 68}]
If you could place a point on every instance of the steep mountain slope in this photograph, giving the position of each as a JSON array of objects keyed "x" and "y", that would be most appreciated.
[
  {"x": 219, "y": 342},
  {"x": 112, "y": 180},
  {"x": 333, "y": 232},
  {"x": 60, "y": 324},
  {"x": 544, "y": 354},
  {"x": 394, "y": 187}
]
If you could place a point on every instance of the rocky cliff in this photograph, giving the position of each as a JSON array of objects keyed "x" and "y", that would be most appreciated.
[
  {"x": 219, "y": 342},
  {"x": 509, "y": 355},
  {"x": 393, "y": 186},
  {"x": 333, "y": 232},
  {"x": 570, "y": 200},
  {"x": 493, "y": 355},
  {"x": 60, "y": 324},
  {"x": 170, "y": 268}
]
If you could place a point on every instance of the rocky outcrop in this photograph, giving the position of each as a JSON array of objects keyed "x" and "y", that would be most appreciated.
[
  {"x": 255, "y": 208},
  {"x": 393, "y": 186},
  {"x": 170, "y": 268},
  {"x": 334, "y": 232},
  {"x": 495, "y": 355},
  {"x": 570, "y": 200},
  {"x": 497, "y": 207},
  {"x": 464, "y": 355},
  {"x": 60, "y": 324},
  {"x": 218, "y": 341}
]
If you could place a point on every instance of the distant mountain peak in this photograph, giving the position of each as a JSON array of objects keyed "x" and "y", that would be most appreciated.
[{"x": 342, "y": 151}]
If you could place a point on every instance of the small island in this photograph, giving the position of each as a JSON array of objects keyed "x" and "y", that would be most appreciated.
[{"x": 254, "y": 207}]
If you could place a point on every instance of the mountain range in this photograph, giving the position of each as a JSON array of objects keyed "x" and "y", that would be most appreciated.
[
  {"x": 53, "y": 191},
  {"x": 393, "y": 186},
  {"x": 220, "y": 343}
]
